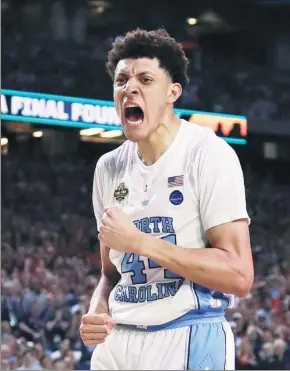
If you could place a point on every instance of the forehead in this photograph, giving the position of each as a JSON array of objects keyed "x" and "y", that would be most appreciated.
[{"x": 139, "y": 65}]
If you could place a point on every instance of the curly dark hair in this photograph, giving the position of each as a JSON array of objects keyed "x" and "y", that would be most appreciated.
[{"x": 151, "y": 44}]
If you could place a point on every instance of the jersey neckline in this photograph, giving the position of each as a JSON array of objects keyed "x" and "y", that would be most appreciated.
[{"x": 167, "y": 153}]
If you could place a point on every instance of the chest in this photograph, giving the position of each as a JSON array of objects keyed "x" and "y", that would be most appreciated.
[{"x": 159, "y": 202}]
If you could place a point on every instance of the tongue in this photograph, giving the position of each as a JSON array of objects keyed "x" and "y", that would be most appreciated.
[{"x": 134, "y": 118}]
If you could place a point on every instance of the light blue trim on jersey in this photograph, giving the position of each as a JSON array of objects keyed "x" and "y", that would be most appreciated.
[
  {"x": 203, "y": 295},
  {"x": 206, "y": 347},
  {"x": 204, "y": 299},
  {"x": 194, "y": 295},
  {"x": 189, "y": 318},
  {"x": 187, "y": 346}
]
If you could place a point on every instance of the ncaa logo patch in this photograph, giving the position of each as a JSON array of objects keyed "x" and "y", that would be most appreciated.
[
  {"x": 121, "y": 192},
  {"x": 176, "y": 198}
]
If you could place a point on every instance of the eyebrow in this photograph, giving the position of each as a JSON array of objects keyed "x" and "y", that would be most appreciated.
[{"x": 138, "y": 74}]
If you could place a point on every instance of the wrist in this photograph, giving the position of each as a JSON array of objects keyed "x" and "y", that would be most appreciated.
[
  {"x": 99, "y": 308},
  {"x": 93, "y": 310},
  {"x": 140, "y": 243}
]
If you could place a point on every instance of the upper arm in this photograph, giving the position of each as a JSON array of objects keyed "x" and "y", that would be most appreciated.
[
  {"x": 108, "y": 268},
  {"x": 234, "y": 239},
  {"x": 222, "y": 200}
]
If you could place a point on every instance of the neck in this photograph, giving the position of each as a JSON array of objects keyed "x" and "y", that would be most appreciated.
[{"x": 151, "y": 149}]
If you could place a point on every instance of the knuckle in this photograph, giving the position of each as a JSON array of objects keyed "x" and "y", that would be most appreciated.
[{"x": 110, "y": 212}]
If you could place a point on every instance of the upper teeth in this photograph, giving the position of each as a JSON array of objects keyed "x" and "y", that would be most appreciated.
[{"x": 131, "y": 105}]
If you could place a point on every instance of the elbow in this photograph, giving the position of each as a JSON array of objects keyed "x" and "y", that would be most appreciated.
[
  {"x": 243, "y": 282},
  {"x": 112, "y": 276}
]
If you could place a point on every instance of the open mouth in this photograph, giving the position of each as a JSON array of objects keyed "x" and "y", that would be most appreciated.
[{"x": 134, "y": 115}]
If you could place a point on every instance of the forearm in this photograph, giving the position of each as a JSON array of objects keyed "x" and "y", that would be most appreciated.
[
  {"x": 99, "y": 300},
  {"x": 209, "y": 267}
]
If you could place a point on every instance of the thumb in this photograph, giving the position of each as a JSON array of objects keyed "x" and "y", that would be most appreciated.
[{"x": 109, "y": 324}]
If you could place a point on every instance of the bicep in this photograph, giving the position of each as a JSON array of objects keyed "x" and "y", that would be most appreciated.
[{"x": 234, "y": 239}]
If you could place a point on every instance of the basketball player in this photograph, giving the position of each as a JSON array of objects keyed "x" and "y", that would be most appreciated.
[{"x": 160, "y": 199}]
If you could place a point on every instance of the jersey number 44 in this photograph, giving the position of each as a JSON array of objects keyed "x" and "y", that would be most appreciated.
[{"x": 133, "y": 263}]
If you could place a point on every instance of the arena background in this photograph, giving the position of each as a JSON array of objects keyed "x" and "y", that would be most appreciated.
[{"x": 55, "y": 88}]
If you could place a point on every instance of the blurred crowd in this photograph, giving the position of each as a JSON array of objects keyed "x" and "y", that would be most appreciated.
[
  {"x": 252, "y": 92},
  {"x": 29, "y": 62},
  {"x": 261, "y": 321},
  {"x": 51, "y": 264}
]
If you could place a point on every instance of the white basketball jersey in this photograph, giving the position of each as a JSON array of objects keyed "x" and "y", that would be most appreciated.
[{"x": 195, "y": 185}]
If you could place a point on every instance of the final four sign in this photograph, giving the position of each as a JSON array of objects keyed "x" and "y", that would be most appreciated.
[
  {"x": 48, "y": 109},
  {"x": 58, "y": 110}
]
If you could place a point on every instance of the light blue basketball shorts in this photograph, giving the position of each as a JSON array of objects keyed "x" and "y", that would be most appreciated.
[{"x": 207, "y": 344}]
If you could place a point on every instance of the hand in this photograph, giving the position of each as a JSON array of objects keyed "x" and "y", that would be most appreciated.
[
  {"x": 95, "y": 328},
  {"x": 118, "y": 232}
]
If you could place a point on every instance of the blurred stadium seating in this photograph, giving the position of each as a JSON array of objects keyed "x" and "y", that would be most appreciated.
[
  {"x": 50, "y": 265},
  {"x": 30, "y": 61}
]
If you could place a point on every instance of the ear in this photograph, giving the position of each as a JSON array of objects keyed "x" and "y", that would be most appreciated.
[{"x": 175, "y": 92}]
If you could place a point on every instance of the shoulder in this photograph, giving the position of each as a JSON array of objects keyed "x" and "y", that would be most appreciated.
[
  {"x": 204, "y": 144},
  {"x": 115, "y": 160}
]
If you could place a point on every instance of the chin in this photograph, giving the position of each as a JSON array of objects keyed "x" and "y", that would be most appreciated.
[
  {"x": 136, "y": 133},
  {"x": 135, "y": 137}
]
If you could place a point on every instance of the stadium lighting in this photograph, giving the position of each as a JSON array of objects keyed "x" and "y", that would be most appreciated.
[
  {"x": 91, "y": 131},
  {"x": 37, "y": 134},
  {"x": 111, "y": 134},
  {"x": 191, "y": 21},
  {"x": 100, "y": 9},
  {"x": 4, "y": 141}
]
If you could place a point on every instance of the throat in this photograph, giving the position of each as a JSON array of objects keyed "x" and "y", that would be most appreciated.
[
  {"x": 152, "y": 149},
  {"x": 135, "y": 118},
  {"x": 149, "y": 155}
]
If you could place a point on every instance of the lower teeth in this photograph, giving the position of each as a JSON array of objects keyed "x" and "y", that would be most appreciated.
[{"x": 138, "y": 122}]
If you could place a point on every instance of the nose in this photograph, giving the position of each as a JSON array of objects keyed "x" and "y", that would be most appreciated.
[{"x": 131, "y": 87}]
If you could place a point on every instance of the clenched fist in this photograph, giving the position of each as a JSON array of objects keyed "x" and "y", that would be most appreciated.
[
  {"x": 95, "y": 328},
  {"x": 118, "y": 232}
]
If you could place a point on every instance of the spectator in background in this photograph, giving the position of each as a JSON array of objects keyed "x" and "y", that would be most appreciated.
[
  {"x": 5, "y": 357},
  {"x": 221, "y": 89},
  {"x": 29, "y": 361}
]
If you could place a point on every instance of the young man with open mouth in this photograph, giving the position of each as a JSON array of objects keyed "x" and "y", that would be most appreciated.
[{"x": 160, "y": 199}]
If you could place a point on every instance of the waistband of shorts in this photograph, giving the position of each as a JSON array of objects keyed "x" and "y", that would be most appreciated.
[{"x": 188, "y": 319}]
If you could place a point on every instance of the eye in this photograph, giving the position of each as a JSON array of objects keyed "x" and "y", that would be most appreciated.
[
  {"x": 120, "y": 81},
  {"x": 146, "y": 80}
]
